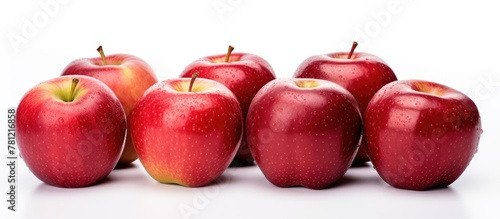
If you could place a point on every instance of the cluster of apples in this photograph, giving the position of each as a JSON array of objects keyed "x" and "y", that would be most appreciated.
[{"x": 339, "y": 109}]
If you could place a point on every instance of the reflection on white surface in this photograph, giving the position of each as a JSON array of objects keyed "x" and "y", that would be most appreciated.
[{"x": 131, "y": 193}]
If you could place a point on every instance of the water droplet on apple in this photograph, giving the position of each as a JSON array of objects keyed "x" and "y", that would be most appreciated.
[
  {"x": 183, "y": 116},
  {"x": 191, "y": 108},
  {"x": 60, "y": 120},
  {"x": 202, "y": 105}
]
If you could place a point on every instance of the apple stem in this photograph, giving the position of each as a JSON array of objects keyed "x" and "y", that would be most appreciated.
[
  {"x": 354, "y": 45},
  {"x": 195, "y": 75},
  {"x": 103, "y": 57},
  {"x": 74, "y": 82},
  {"x": 228, "y": 54}
]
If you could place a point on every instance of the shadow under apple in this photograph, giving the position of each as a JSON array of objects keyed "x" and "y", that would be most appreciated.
[{"x": 122, "y": 166}]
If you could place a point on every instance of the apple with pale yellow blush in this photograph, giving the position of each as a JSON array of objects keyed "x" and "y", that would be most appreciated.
[
  {"x": 186, "y": 131},
  {"x": 128, "y": 76}
]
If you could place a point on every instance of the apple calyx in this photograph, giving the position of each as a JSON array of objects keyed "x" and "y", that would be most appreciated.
[
  {"x": 228, "y": 54},
  {"x": 62, "y": 92},
  {"x": 353, "y": 47},
  {"x": 307, "y": 83},
  {"x": 193, "y": 78},
  {"x": 103, "y": 57},
  {"x": 428, "y": 89}
]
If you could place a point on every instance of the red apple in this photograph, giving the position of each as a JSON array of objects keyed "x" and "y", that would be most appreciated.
[
  {"x": 421, "y": 135},
  {"x": 244, "y": 74},
  {"x": 362, "y": 74},
  {"x": 70, "y": 131},
  {"x": 303, "y": 132},
  {"x": 128, "y": 76},
  {"x": 186, "y": 136}
]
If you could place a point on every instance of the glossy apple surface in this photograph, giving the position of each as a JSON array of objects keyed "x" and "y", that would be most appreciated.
[
  {"x": 128, "y": 76},
  {"x": 244, "y": 74},
  {"x": 420, "y": 134},
  {"x": 186, "y": 137},
  {"x": 303, "y": 132},
  {"x": 362, "y": 74},
  {"x": 70, "y": 140}
]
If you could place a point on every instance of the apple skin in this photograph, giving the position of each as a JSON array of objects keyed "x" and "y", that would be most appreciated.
[
  {"x": 244, "y": 75},
  {"x": 70, "y": 144},
  {"x": 303, "y": 136},
  {"x": 362, "y": 75},
  {"x": 128, "y": 76},
  {"x": 420, "y": 134},
  {"x": 186, "y": 138}
]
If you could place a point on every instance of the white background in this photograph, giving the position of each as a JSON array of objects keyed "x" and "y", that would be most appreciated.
[{"x": 454, "y": 44}]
